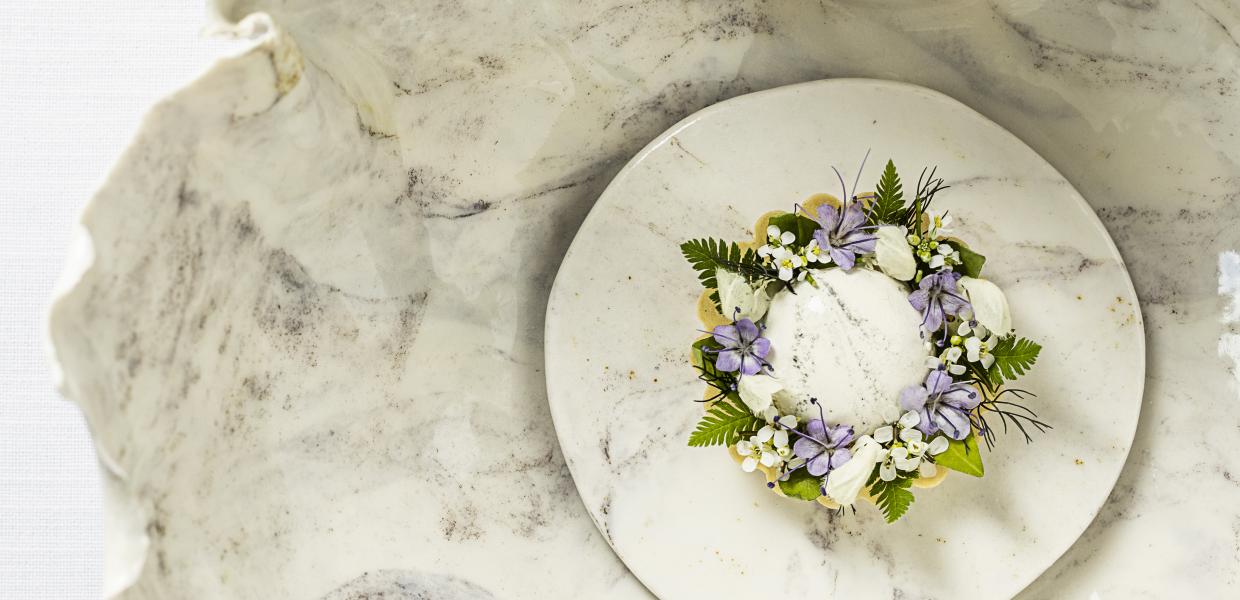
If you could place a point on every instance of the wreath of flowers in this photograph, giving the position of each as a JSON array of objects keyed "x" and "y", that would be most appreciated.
[{"x": 966, "y": 326}]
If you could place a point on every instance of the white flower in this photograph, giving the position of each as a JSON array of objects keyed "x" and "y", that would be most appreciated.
[
  {"x": 757, "y": 451},
  {"x": 787, "y": 262},
  {"x": 908, "y": 448},
  {"x": 846, "y": 481},
  {"x": 782, "y": 238},
  {"x": 934, "y": 363},
  {"x": 757, "y": 392},
  {"x": 813, "y": 253},
  {"x": 735, "y": 293},
  {"x": 769, "y": 446},
  {"x": 893, "y": 255},
  {"x": 990, "y": 306},
  {"x": 939, "y": 223},
  {"x": 978, "y": 351}
]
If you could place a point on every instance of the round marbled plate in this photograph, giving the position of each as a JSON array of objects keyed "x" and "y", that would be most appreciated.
[{"x": 621, "y": 317}]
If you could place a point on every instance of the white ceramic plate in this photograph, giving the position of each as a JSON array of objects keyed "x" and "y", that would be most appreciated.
[{"x": 621, "y": 316}]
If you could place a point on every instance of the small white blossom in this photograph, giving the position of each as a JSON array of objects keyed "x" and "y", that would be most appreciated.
[
  {"x": 940, "y": 223},
  {"x": 814, "y": 253},
  {"x": 787, "y": 262},
  {"x": 908, "y": 449},
  {"x": 769, "y": 446}
]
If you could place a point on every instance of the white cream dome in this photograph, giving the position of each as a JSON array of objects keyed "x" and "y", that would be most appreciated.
[{"x": 852, "y": 342}]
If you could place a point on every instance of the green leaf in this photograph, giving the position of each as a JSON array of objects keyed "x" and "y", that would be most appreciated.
[
  {"x": 970, "y": 262},
  {"x": 803, "y": 226},
  {"x": 724, "y": 424},
  {"x": 963, "y": 456},
  {"x": 800, "y": 484},
  {"x": 892, "y": 497},
  {"x": 723, "y": 382},
  {"x": 889, "y": 201},
  {"x": 708, "y": 255},
  {"x": 700, "y": 358},
  {"x": 1013, "y": 356}
]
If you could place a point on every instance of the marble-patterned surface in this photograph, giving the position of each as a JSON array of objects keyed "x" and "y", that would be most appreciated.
[
  {"x": 623, "y": 404},
  {"x": 309, "y": 344},
  {"x": 850, "y": 340}
]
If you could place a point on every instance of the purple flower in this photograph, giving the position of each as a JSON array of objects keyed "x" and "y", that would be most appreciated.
[
  {"x": 941, "y": 404},
  {"x": 938, "y": 295},
  {"x": 843, "y": 234},
  {"x": 823, "y": 448},
  {"x": 743, "y": 350}
]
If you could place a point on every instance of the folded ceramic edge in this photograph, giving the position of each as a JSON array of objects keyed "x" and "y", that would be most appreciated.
[{"x": 125, "y": 538}]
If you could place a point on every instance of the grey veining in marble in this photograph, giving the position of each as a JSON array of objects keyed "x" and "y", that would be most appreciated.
[{"x": 309, "y": 344}]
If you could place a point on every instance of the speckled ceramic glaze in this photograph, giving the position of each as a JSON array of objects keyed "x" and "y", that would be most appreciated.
[
  {"x": 687, "y": 521},
  {"x": 309, "y": 339}
]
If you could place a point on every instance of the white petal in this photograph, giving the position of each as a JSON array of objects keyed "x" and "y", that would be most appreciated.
[
  {"x": 937, "y": 261},
  {"x": 886, "y": 472},
  {"x": 846, "y": 482},
  {"x": 884, "y": 434},
  {"x": 907, "y": 464},
  {"x": 764, "y": 434},
  {"x": 749, "y": 464},
  {"x": 916, "y": 447},
  {"x": 900, "y": 453},
  {"x": 787, "y": 237},
  {"x": 744, "y": 448},
  {"x": 785, "y": 274},
  {"x": 769, "y": 459},
  {"x": 927, "y": 469},
  {"x": 944, "y": 249},
  {"x": 910, "y": 435},
  {"x": 937, "y": 445},
  {"x": 756, "y": 392},
  {"x": 974, "y": 346},
  {"x": 910, "y": 419},
  {"x": 772, "y": 231},
  {"x": 781, "y": 439},
  {"x": 987, "y": 360},
  {"x": 990, "y": 306},
  {"x": 933, "y": 363},
  {"x": 893, "y": 255},
  {"x": 956, "y": 369},
  {"x": 980, "y": 331},
  {"x": 953, "y": 354},
  {"x": 735, "y": 293},
  {"x": 789, "y": 421}
]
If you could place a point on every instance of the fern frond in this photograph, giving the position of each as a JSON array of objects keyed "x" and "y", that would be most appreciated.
[
  {"x": 1013, "y": 357},
  {"x": 724, "y": 424},
  {"x": 889, "y": 197}
]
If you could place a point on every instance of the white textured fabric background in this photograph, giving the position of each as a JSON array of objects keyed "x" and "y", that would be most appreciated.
[{"x": 76, "y": 77}]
